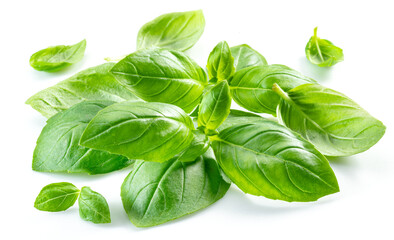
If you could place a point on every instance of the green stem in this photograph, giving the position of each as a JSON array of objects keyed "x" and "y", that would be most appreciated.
[
  {"x": 276, "y": 88},
  {"x": 114, "y": 59}
]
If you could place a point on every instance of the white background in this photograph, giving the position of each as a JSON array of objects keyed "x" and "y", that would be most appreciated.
[{"x": 277, "y": 29}]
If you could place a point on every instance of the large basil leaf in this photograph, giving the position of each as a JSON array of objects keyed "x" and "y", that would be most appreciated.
[
  {"x": 161, "y": 75},
  {"x": 245, "y": 56},
  {"x": 58, "y": 148},
  {"x": 267, "y": 159},
  {"x": 215, "y": 106},
  {"x": 322, "y": 52},
  {"x": 334, "y": 123},
  {"x": 93, "y": 207},
  {"x": 58, "y": 57},
  {"x": 94, "y": 83},
  {"x": 178, "y": 30},
  {"x": 236, "y": 117},
  {"x": 155, "y": 193},
  {"x": 251, "y": 87},
  {"x": 56, "y": 197},
  {"x": 140, "y": 130},
  {"x": 220, "y": 62}
]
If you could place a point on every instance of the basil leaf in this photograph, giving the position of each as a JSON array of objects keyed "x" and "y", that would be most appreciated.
[
  {"x": 93, "y": 207},
  {"x": 245, "y": 56},
  {"x": 322, "y": 52},
  {"x": 266, "y": 159},
  {"x": 178, "y": 31},
  {"x": 215, "y": 106},
  {"x": 331, "y": 121},
  {"x": 58, "y": 57},
  {"x": 251, "y": 87},
  {"x": 155, "y": 193},
  {"x": 236, "y": 117},
  {"x": 140, "y": 130},
  {"x": 198, "y": 146},
  {"x": 160, "y": 75},
  {"x": 56, "y": 197},
  {"x": 94, "y": 83},
  {"x": 58, "y": 147},
  {"x": 220, "y": 62}
]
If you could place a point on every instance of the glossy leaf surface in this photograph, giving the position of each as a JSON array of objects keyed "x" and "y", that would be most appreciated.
[
  {"x": 197, "y": 147},
  {"x": 155, "y": 193},
  {"x": 266, "y": 159},
  {"x": 95, "y": 83},
  {"x": 140, "y": 130},
  {"x": 58, "y": 57},
  {"x": 322, "y": 52},
  {"x": 56, "y": 197},
  {"x": 245, "y": 56},
  {"x": 220, "y": 62},
  {"x": 93, "y": 207},
  {"x": 331, "y": 121},
  {"x": 251, "y": 87},
  {"x": 178, "y": 31},
  {"x": 236, "y": 117},
  {"x": 160, "y": 75},
  {"x": 58, "y": 148}
]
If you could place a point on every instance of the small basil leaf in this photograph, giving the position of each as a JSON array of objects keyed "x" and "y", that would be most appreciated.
[
  {"x": 251, "y": 87},
  {"x": 155, "y": 193},
  {"x": 93, "y": 207},
  {"x": 178, "y": 31},
  {"x": 331, "y": 121},
  {"x": 266, "y": 159},
  {"x": 220, "y": 62},
  {"x": 58, "y": 57},
  {"x": 56, "y": 197},
  {"x": 94, "y": 83},
  {"x": 245, "y": 56},
  {"x": 237, "y": 117},
  {"x": 58, "y": 148},
  {"x": 197, "y": 147},
  {"x": 160, "y": 75},
  {"x": 322, "y": 52},
  {"x": 140, "y": 130},
  {"x": 215, "y": 106}
]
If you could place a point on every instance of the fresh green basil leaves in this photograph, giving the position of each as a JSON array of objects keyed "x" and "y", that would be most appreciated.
[
  {"x": 245, "y": 56},
  {"x": 178, "y": 31},
  {"x": 56, "y": 197},
  {"x": 220, "y": 62},
  {"x": 93, "y": 207},
  {"x": 322, "y": 52},
  {"x": 56, "y": 58}
]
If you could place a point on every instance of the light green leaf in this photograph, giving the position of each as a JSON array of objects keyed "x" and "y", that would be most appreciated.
[
  {"x": 93, "y": 207},
  {"x": 331, "y": 121},
  {"x": 267, "y": 159},
  {"x": 56, "y": 197},
  {"x": 58, "y": 148},
  {"x": 245, "y": 56},
  {"x": 160, "y": 75},
  {"x": 198, "y": 146},
  {"x": 55, "y": 58},
  {"x": 236, "y": 117},
  {"x": 140, "y": 130},
  {"x": 251, "y": 87},
  {"x": 220, "y": 62},
  {"x": 95, "y": 83},
  {"x": 155, "y": 193},
  {"x": 178, "y": 31},
  {"x": 215, "y": 106},
  {"x": 322, "y": 52}
]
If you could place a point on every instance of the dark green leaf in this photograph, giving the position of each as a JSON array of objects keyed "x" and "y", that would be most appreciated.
[
  {"x": 220, "y": 62},
  {"x": 140, "y": 130},
  {"x": 155, "y": 193},
  {"x": 160, "y": 75},
  {"x": 56, "y": 197},
  {"x": 93, "y": 207},
  {"x": 331, "y": 121},
  {"x": 178, "y": 31},
  {"x": 245, "y": 56},
  {"x": 215, "y": 106},
  {"x": 58, "y": 57},
  {"x": 267, "y": 159},
  {"x": 94, "y": 83},
  {"x": 58, "y": 148},
  {"x": 322, "y": 52},
  {"x": 251, "y": 87},
  {"x": 198, "y": 146}
]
